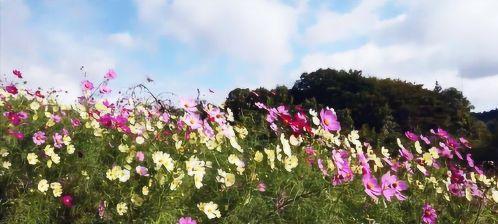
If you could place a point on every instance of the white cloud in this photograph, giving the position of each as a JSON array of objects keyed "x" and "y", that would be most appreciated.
[
  {"x": 257, "y": 32},
  {"x": 333, "y": 26},
  {"x": 123, "y": 39},
  {"x": 48, "y": 58},
  {"x": 453, "y": 42}
]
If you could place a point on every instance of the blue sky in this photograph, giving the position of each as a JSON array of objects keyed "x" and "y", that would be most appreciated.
[{"x": 224, "y": 44}]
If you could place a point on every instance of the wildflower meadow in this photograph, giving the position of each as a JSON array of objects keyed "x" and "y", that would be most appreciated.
[{"x": 141, "y": 159}]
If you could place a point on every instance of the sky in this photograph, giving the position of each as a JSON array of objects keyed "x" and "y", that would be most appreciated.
[{"x": 225, "y": 44}]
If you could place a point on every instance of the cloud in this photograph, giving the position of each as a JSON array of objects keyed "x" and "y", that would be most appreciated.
[
  {"x": 333, "y": 26},
  {"x": 258, "y": 32},
  {"x": 453, "y": 42},
  {"x": 123, "y": 39},
  {"x": 49, "y": 58}
]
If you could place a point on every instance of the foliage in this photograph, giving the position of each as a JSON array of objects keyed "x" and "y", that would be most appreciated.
[{"x": 98, "y": 161}]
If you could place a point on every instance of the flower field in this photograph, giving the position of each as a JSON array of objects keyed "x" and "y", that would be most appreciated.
[{"x": 139, "y": 160}]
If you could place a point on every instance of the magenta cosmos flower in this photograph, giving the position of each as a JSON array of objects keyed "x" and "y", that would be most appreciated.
[
  {"x": 17, "y": 73},
  {"x": 39, "y": 138},
  {"x": 410, "y": 135},
  {"x": 87, "y": 85},
  {"x": 391, "y": 186},
  {"x": 111, "y": 74},
  {"x": 12, "y": 89},
  {"x": 429, "y": 215},
  {"x": 329, "y": 120},
  {"x": 186, "y": 220},
  {"x": 67, "y": 200}
]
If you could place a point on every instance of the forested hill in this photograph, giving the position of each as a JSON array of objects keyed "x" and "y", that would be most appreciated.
[{"x": 381, "y": 108}]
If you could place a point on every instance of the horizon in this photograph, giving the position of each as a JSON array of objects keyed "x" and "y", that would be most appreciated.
[{"x": 223, "y": 45}]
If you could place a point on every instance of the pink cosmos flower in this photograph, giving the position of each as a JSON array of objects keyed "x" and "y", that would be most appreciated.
[
  {"x": 372, "y": 188},
  {"x": 164, "y": 117},
  {"x": 140, "y": 156},
  {"x": 101, "y": 209},
  {"x": 425, "y": 139},
  {"x": 193, "y": 120},
  {"x": 75, "y": 122},
  {"x": 470, "y": 161},
  {"x": 440, "y": 132},
  {"x": 67, "y": 200},
  {"x": 58, "y": 140},
  {"x": 310, "y": 151},
  {"x": 344, "y": 172},
  {"x": 186, "y": 220},
  {"x": 12, "y": 89},
  {"x": 261, "y": 187},
  {"x": 329, "y": 120},
  {"x": 410, "y": 135},
  {"x": 188, "y": 104},
  {"x": 104, "y": 89},
  {"x": 322, "y": 168},
  {"x": 111, "y": 74},
  {"x": 207, "y": 129},
  {"x": 405, "y": 153},
  {"x": 39, "y": 138},
  {"x": 87, "y": 85},
  {"x": 465, "y": 142},
  {"x": 17, "y": 73},
  {"x": 391, "y": 186},
  {"x": 429, "y": 215},
  {"x": 142, "y": 171}
]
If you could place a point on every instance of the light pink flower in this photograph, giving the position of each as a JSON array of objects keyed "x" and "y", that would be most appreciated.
[
  {"x": 104, "y": 89},
  {"x": 111, "y": 74},
  {"x": 391, "y": 186},
  {"x": 87, "y": 85},
  {"x": 142, "y": 171},
  {"x": 140, "y": 156},
  {"x": 261, "y": 187},
  {"x": 186, "y": 220},
  {"x": 39, "y": 138}
]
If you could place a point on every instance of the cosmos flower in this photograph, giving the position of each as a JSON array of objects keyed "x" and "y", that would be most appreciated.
[
  {"x": 391, "y": 186},
  {"x": 210, "y": 209},
  {"x": 104, "y": 89},
  {"x": 140, "y": 156},
  {"x": 372, "y": 188},
  {"x": 329, "y": 120},
  {"x": 87, "y": 85},
  {"x": 410, "y": 135},
  {"x": 142, "y": 171},
  {"x": 261, "y": 187},
  {"x": 111, "y": 74},
  {"x": 17, "y": 73},
  {"x": 121, "y": 208},
  {"x": 429, "y": 215},
  {"x": 67, "y": 200},
  {"x": 187, "y": 220},
  {"x": 43, "y": 185},
  {"x": 39, "y": 138},
  {"x": 12, "y": 89}
]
